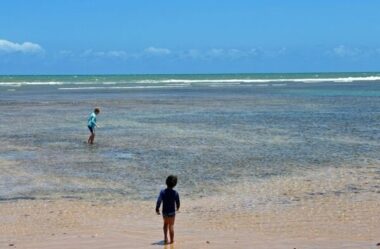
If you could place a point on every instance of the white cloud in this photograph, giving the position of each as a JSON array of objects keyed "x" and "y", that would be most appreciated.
[
  {"x": 121, "y": 54},
  {"x": 26, "y": 47},
  {"x": 87, "y": 53},
  {"x": 253, "y": 52},
  {"x": 65, "y": 54},
  {"x": 343, "y": 51},
  {"x": 235, "y": 53},
  {"x": 217, "y": 53},
  {"x": 117, "y": 53},
  {"x": 354, "y": 52},
  {"x": 231, "y": 53},
  {"x": 157, "y": 51},
  {"x": 191, "y": 53},
  {"x": 273, "y": 53},
  {"x": 109, "y": 54}
]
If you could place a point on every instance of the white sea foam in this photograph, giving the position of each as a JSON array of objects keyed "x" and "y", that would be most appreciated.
[
  {"x": 34, "y": 83},
  {"x": 117, "y": 87},
  {"x": 300, "y": 80},
  {"x": 189, "y": 82}
]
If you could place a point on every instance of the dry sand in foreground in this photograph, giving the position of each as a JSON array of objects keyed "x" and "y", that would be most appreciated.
[{"x": 58, "y": 224}]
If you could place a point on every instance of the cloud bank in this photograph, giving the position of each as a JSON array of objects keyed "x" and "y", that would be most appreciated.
[
  {"x": 13, "y": 47},
  {"x": 157, "y": 51}
]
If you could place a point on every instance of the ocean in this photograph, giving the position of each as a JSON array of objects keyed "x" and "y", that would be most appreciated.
[{"x": 221, "y": 134}]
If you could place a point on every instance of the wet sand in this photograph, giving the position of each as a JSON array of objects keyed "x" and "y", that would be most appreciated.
[{"x": 347, "y": 220}]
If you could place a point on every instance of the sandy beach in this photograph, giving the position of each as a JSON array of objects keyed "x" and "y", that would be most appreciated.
[{"x": 346, "y": 221}]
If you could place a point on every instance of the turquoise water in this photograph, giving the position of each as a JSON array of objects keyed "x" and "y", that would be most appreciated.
[
  {"x": 213, "y": 131},
  {"x": 163, "y": 77}
]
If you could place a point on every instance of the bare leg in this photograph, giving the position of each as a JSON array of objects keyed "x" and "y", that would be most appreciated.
[
  {"x": 166, "y": 225},
  {"x": 171, "y": 229},
  {"x": 91, "y": 138}
]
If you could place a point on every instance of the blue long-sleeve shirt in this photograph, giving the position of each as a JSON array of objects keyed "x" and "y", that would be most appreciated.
[
  {"x": 91, "y": 122},
  {"x": 170, "y": 200}
]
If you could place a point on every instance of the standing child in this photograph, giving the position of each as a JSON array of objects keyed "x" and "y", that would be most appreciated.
[
  {"x": 170, "y": 203},
  {"x": 91, "y": 123}
]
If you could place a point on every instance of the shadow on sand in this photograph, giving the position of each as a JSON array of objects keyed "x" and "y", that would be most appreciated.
[{"x": 162, "y": 243}]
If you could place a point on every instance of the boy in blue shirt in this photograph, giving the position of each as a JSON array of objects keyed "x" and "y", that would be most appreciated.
[
  {"x": 91, "y": 124},
  {"x": 170, "y": 203}
]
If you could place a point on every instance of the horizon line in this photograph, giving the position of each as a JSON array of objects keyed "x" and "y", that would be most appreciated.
[{"x": 154, "y": 74}]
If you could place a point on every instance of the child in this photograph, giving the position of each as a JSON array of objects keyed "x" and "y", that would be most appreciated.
[
  {"x": 91, "y": 123},
  {"x": 170, "y": 202}
]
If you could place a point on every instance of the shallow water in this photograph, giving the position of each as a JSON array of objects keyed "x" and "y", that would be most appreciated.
[{"x": 213, "y": 138}]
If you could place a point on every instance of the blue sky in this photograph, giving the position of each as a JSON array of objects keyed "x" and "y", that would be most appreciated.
[{"x": 197, "y": 36}]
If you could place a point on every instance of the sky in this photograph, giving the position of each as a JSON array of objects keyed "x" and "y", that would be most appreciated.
[{"x": 197, "y": 36}]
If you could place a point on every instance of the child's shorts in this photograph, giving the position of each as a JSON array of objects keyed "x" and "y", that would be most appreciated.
[
  {"x": 168, "y": 215},
  {"x": 91, "y": 129}
]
